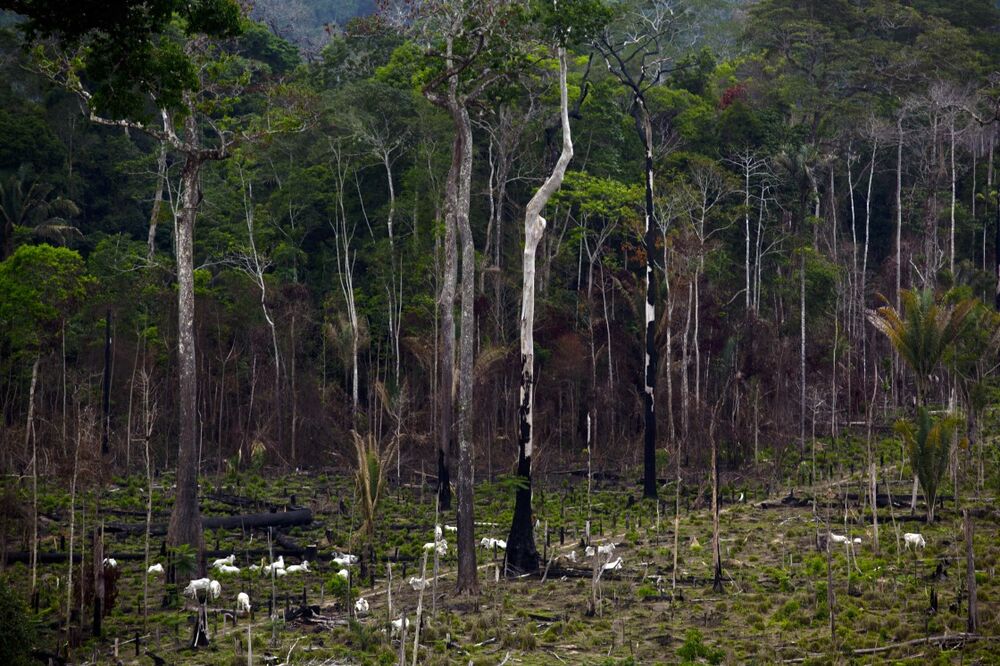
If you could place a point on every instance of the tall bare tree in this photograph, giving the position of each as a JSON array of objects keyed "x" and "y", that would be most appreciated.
[
  {"x": 637, "y": 52},
  {"x": 521, "y": 552}
]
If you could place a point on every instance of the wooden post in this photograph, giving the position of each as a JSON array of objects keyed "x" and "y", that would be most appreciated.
[
  {"x": 98, "y": 582},
  {"x": 420, "y": 609},
  {"x": 830, "y": 601},
  {"x": 402, "y": 639},
  {"x": 970, "y": 572}
]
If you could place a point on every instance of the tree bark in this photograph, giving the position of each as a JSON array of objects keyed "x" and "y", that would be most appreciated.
[
  {"x": 154, "y": 217},
  {"x": 996, "y": 251},
  {"x": 951, "y": 232},
  {"x": 716, "y": 537},
  {"x": 106, "y": 388},
  {"x": 649, "y": 368},
  {"x": 970, "y": 572},
  {"x": 899, "y": 209},
  {"x": 29, "y": 434},
  {"x": 468, "y": 580},
  {"x": 295, "y": 517},
  {"x": 447, "y": 304},
  {"x": 185, "y": 520},
  {"x": 521, "y": 552}
]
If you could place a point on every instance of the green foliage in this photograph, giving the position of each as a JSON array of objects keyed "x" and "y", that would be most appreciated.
[
  {"x": 371, "y": 467},
  {"x": 923, "y": 333},
  {"x": 39, "y": 287},
  {"x": 29, "y": 207},
  {"x": 694, "y": 650},
  {"x": 185, "y": 560},
  {"x": 605, "y": 198},
  {"x": 928, "y": 439},
  {"x": 568, "y": 22},
  {"x": 129, "y": 50},
  {"x": 17, "y": 632}
]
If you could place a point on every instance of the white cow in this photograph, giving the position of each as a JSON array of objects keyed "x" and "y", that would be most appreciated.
[
  {"x": 224, "y": 562},
  {"x": 345, "y": 559},
  {"x": 397, "y": 625},
  {"x": 211, "y": 587},
  {"x": 613, "y": 566},
  {"x": 277, "y": 567},
  {"x": 440, "y": 547},
  {"x": 295, "y": 568},
  {"x": 606, "y": 549}
]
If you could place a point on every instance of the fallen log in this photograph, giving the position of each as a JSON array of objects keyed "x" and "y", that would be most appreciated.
[
  {"x": 244, "y": 522},
  {"x": 252, "y": 554},
  {"x": 945, "y": 641}
]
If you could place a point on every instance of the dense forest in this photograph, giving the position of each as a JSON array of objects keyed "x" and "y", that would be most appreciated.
[{"x": 671, "y": 250}]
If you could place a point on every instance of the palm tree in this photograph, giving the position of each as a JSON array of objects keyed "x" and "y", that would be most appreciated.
[
  {"x": 929, "y": 443},
  {"x": 923, "y": 333},
  {"x": 372, "y": 461},
  {"x": 26, "y": 203}
]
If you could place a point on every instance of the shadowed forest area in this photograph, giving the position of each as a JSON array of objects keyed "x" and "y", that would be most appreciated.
[{"x": 499, "y": 331}]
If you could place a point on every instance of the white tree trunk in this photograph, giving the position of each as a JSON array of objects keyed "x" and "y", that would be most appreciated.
[
  {"x": 899, "y": 209},
  {"x": 29, "y": 437},
  {"x": 951, "y": 242},
  {"x": 521, "y": 551}
]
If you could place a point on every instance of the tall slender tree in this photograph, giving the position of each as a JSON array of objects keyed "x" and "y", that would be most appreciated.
[
  {"x": 521, "y": 552},
  {"x": 637, "y": 51},
  {"x": 121, "y": 61}
]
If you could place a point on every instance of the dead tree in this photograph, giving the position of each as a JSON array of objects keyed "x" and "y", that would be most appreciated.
[{"x": 521, "y": 552}]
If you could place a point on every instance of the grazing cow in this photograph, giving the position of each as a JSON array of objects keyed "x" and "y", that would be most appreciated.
[
  {"x": 224, "y": 562},
  {"x": 914, "y": 539}
]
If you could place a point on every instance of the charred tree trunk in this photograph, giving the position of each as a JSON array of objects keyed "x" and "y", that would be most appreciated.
[
  {"x": 649, "y": 366},
  {"x": 716, "y": 540},
  {"x": 106, "y": 388},
  {"x": 521, "y": 552}
]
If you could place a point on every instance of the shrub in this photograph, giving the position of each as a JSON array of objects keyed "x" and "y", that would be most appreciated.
[
  {"x": 17, "y": 633},
  {"x": 694, "y": 649}
]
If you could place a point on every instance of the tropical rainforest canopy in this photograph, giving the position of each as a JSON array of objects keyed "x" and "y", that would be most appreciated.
[{"x": 229, "y": 236}]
